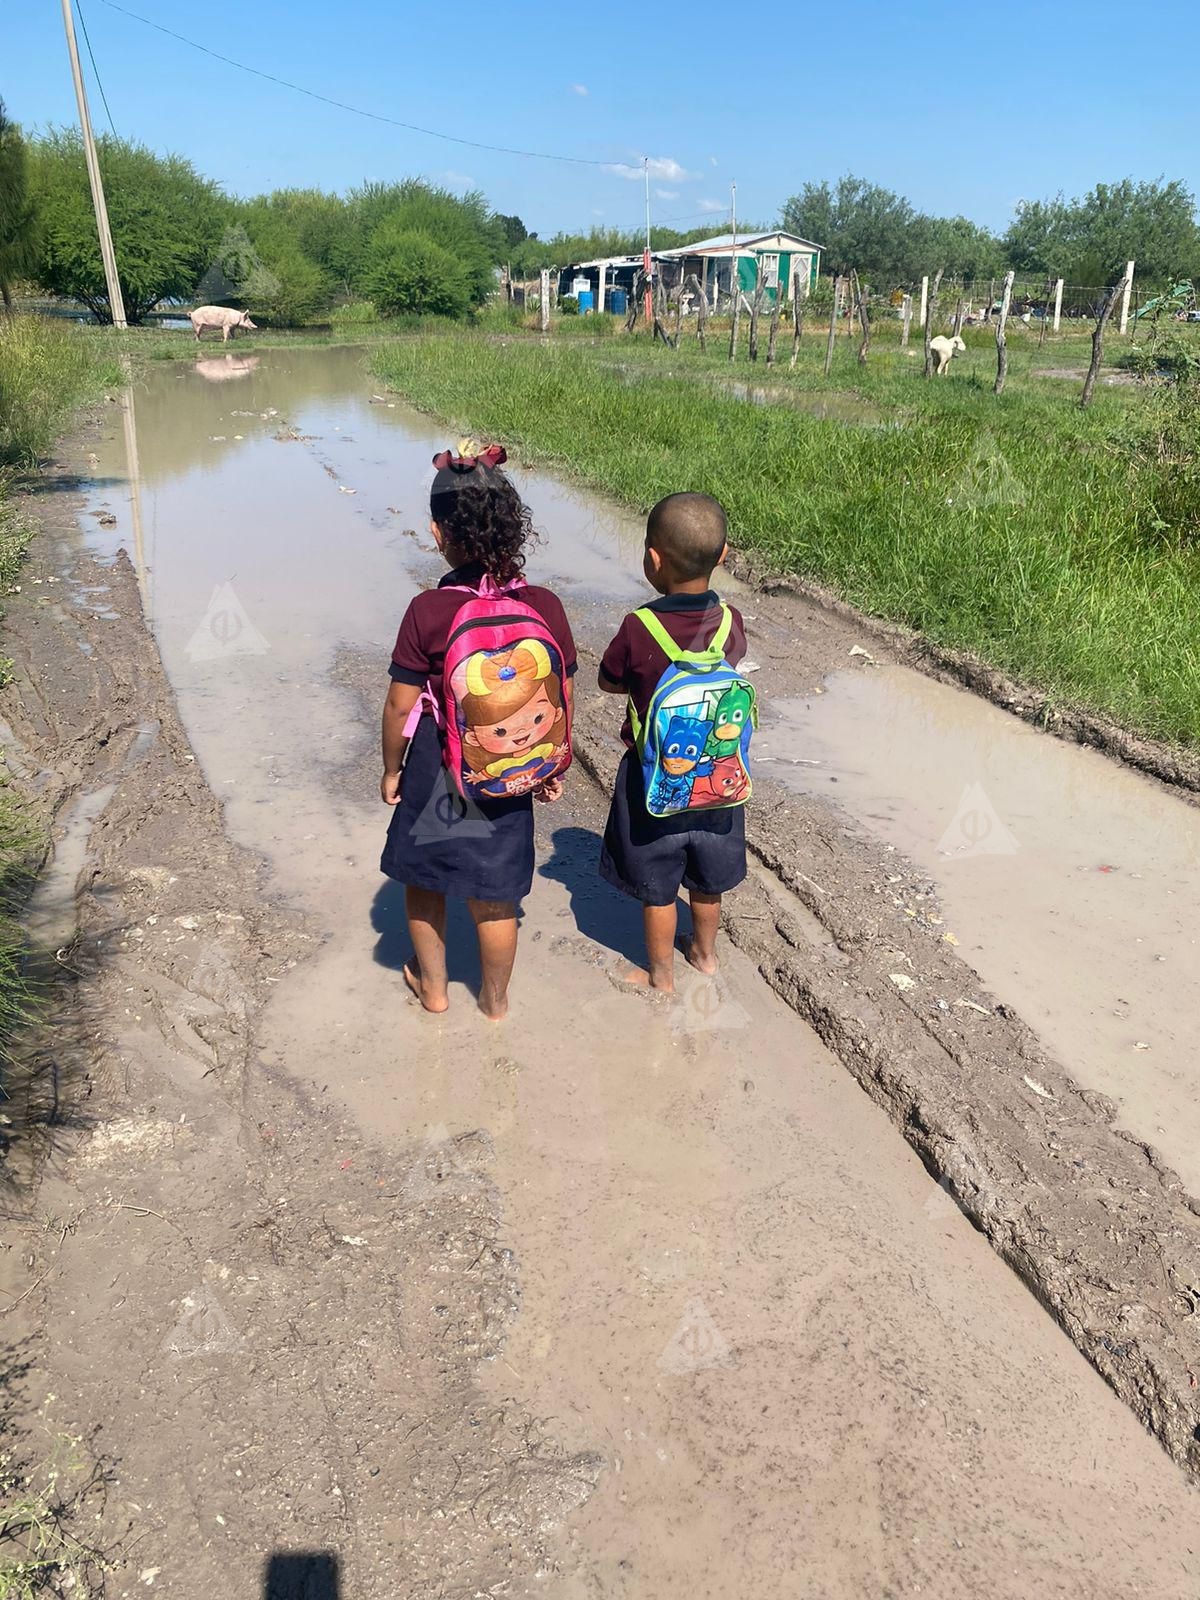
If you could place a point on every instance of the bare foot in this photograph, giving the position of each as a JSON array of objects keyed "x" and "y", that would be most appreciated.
[
  {"x": 494, "y": 1007},
  {"x": 639, "y": 978},
  {"x": 436, "y": 1003},
  {"x": 708, "y": 965}
]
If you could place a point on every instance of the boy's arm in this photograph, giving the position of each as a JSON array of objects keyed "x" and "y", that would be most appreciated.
[
  {"x": 614, "y": 668},
  {"x": 401, "y": 698}
]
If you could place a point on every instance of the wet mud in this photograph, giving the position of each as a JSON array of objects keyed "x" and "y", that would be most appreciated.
[{"x": 621, "y": 1298}]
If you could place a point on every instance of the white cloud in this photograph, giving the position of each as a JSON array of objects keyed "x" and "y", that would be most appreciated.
[
  {"x": 666, "y": 194},
  {"x": 662, "y": 167},
  {"x": 580, "y": 88},
  {"x": 714, "y": 161},
  {"x": 457, "y": 180},
  {"x": 714, "y": 205}
]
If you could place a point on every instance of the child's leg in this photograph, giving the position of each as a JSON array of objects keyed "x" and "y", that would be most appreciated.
[
  {"x": 426, "y": 973},
  {"x": 496, "y": 925},
  {"x": 701, "y": 948},
  {"x": 659, "y": 923}
]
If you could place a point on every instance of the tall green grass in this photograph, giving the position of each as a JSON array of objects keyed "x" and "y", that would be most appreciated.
[
  {"x": 1015, "y": 528},
  {"x": 46, "y": 369}
]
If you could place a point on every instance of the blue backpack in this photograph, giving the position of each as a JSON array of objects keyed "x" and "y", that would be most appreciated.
[{"x": 694, "y": 742}]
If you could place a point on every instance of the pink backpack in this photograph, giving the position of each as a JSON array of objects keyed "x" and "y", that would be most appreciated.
[{"x": 504, "y": 713}]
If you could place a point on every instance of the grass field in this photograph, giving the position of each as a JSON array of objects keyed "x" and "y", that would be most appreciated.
[{"x": 1021, "y": 528}]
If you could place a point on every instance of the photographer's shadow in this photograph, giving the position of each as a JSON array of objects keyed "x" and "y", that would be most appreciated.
[{"x": 301, "y": 1575}]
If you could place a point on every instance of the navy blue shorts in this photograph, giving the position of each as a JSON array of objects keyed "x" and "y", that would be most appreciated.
[
  {"x": 650, "y": 858},
  {"x": 436, "y": 840}
]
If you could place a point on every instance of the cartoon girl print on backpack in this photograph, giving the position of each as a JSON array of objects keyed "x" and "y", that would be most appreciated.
[{"x": 514, "y": 724}]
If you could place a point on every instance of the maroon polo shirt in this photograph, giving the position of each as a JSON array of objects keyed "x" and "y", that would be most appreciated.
[
  {"x": 635, "y": 662},
  {"x": 420, "y": 652}
]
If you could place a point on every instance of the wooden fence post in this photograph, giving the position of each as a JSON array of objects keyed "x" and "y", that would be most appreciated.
[
  {"x": 1058, "y": 289},
  {"x": 736, "y": 290},
  {"x": 797, "y": 318},
  {"x": 864, "y": 319},
  {"x": 958, "y": 313},
  {"x": 1128, "y": 290},
  {"x": 1110, "y": 300},
  {"x": 930, "y": 309},
  {"x": 833, "y": 316},
  {"x": 776, "y": 311},
  {"x": 906, "y": 319},
  {"x": 1001, "y": 340},
  {"x": 924, "y": 300},
  {"x": 694, "y": 284},
  {"x": 756, "y": 312},
  {"x": 634, "y": 306},
  {"x": 545, "y": 286}
]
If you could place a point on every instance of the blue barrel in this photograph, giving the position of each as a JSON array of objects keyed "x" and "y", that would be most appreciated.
[
  {"x": 618, "y": 302},
  {"x": 586, "y": 301}
]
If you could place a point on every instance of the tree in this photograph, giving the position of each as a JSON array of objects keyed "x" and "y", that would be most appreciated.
[
  {"x": 962, "y": 247},
  {"x": 460, "y": 224},
  {"x": 1036, "y": 240},
  {"x": 512, "y": 229},
  {"x": 18, "y": 214},
  {"x": 408, "y": 272},
  {"x": 1089, "y": 240},
  {"x": 859, "y": 225},
  {"x": 166, "y": 223}
]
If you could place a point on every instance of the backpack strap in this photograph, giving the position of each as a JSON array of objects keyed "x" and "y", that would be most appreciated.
[{"x": 713, "y": 651}]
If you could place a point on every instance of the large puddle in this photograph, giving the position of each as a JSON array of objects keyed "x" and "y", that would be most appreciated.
[{"x": 1070, "y": 883}]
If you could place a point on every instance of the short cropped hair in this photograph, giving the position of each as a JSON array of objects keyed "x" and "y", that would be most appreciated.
[{"x": 689, "y": 531}]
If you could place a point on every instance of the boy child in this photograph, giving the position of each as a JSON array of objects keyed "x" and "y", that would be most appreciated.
[{"x": 704, "y": 851}]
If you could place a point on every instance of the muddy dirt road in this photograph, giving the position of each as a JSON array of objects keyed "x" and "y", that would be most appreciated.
[{"x": 617, "y": 1299}]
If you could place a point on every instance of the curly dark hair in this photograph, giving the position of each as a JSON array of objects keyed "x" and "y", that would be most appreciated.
[{"x": 485, "y": 520}]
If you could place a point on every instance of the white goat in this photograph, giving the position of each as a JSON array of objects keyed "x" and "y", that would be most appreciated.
[{"x": 944, "y": 348}]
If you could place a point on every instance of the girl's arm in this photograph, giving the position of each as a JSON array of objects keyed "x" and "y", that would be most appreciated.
[{"x": 401, "y": 698}]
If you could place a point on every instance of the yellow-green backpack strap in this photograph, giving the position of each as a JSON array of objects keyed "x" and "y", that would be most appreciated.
[
  {"x": 658, "y": 633},
  {"x": 721, "y": 638}
]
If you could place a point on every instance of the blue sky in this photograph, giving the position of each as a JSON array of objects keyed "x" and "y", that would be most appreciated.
[{"x": 801, "y": 95}]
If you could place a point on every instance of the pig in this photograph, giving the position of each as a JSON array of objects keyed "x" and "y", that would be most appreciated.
[{"x": 222, "y": 317}]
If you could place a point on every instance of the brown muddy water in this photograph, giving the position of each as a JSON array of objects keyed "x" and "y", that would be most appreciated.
[
  {"x": 805, "y": 1373},
  {"x": 1070, "y": 883}
]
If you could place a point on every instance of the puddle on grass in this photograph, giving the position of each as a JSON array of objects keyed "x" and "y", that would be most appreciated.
[
  {"x": 832, "y": 405},
  {"x": 1070, "y": 882}
]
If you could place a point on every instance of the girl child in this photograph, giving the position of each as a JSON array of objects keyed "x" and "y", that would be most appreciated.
[{"x": 515, "y": 727}]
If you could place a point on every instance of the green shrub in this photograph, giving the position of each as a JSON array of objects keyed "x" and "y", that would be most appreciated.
[
  {"x": 568, "y": 306},
  {"x": 408, "y": 272}
]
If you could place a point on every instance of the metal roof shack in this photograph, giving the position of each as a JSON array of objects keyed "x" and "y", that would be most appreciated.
[{"x": 777, "y": 255}]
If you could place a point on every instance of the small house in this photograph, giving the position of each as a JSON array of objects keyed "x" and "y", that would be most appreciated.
[
  {"x": 602, "y": 279},
  {"x": 776, "y": 256}
]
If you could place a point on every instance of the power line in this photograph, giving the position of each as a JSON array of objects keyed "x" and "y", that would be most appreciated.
[
  {"x": 341, "y": 105},
  {"x": 95, "y": 68}
]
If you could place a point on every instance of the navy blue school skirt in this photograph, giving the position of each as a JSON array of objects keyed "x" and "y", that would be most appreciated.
[{"x": 477, "y": 850}]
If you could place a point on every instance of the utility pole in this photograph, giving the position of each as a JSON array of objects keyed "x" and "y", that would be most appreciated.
[
  {"x": 116, "y": 303},
  {"x": 734, "y": 284}
]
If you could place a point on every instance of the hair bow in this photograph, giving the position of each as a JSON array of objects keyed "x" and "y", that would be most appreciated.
[{"x": 470, "y": 455}]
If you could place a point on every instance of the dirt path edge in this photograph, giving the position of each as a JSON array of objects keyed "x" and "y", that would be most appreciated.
[{"x": 1092, "y": 1219}]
